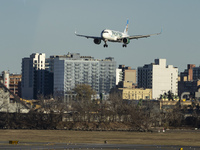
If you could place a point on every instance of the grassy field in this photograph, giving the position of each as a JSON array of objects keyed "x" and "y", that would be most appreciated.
[{"x": 190, "y": 138}]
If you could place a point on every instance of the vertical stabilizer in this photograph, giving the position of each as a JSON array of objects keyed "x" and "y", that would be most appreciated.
[{"x": 126, "y": 28}]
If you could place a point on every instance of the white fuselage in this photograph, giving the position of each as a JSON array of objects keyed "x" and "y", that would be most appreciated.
[{"x": 112, "y": 36}]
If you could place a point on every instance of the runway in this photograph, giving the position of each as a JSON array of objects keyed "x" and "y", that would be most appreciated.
[{"x": 67, "y": 146}]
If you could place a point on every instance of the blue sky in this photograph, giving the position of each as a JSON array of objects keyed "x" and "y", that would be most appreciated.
[{"x": 47, "y": 26}]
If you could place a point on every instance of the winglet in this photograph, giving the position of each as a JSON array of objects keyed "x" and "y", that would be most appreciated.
[
  {"x": 161, "y": 31},
  {"x": 126, "y": 28},
  {"x": 76, "y": 33}
]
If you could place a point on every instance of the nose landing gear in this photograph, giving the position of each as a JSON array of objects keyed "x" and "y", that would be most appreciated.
[{"x": 105, "y": 45}]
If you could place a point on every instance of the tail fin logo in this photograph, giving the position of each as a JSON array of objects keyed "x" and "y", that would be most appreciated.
[{"x": 126, "y": 28}]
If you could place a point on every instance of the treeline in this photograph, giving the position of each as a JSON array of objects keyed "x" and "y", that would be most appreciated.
[{"x": 113, "y": 114}]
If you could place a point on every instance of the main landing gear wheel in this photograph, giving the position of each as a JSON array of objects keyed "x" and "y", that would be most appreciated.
[
  {"x": 124, "y": 45},
  {"x": 105, "y": 45}
]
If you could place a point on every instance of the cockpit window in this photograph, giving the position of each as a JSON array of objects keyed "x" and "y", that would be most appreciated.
[{"x": 105, "y": 32}]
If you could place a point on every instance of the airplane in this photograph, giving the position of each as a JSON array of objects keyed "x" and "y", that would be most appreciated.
[{"x": 116, "y": 36}]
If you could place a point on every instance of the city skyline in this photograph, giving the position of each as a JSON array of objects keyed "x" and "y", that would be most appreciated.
[
  {"x": 117, "y": 66},
  {"x": 48, "y": 26}
]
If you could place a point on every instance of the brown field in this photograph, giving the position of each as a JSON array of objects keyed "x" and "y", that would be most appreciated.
[{"x": 189, "y": 138}]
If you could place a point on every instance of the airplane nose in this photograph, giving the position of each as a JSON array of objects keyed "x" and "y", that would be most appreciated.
[{"x": 103, "y": 35}]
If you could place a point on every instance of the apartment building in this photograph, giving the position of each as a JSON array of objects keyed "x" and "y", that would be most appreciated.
[
  {"x": 128, "y": 74},
  {"x": 15, "y": 84},
  {"x": 32, "y": 80},
  {"x": 187, "y": 75},
  {"x": 158, "y": 77},
  {"x": 196, "y": 73},
  {"x": 73, "y": 69},
  {"x": 119, "y": 76},
  {"x": 189, "y": 82},
  {"x": 12, "y": 82}
]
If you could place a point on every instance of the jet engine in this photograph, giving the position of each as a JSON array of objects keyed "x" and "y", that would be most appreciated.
[
  {"x": 126, "y": 40},
  {"x": 97, "y": 41}
]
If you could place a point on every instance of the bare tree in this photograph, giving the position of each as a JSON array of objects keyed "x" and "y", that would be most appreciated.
[
  {"x": 115, "y": 99},
  {"x": 144, "y": 116},
  {"x": 174, "y": 117},
  {"x": 84, "y": 105}
]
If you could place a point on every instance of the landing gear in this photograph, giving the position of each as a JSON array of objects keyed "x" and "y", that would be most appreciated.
[
  {"x": 124, "y": 45},
  {"x": 105, "y": 45}
]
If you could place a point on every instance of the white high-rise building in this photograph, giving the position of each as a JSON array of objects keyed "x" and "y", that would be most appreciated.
[
  {"x": 35, "y": 62},
  {"x": 119, "y": 75},
  {"x": 73, "y": 69},
  {"x": 159, "y": 77}
]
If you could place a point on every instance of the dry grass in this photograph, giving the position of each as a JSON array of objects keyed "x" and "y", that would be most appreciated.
[{"x": 113, "y": 137}]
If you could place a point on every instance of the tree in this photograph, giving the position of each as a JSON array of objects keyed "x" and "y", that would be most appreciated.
[
  {"x": 145, "y": 116},
  {"x": 84, "y": 92},
  {"x": 84, "y": 105},
  {"x": 174, "y": 117},
  {"x": 115, "y": 107},
  {"x": 169, "y": 95}
]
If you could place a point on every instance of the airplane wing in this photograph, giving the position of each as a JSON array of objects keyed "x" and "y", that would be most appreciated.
[
  {"x": 86, "y": 36},
  {"x": 142, "y": 36}
]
